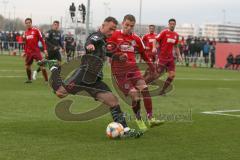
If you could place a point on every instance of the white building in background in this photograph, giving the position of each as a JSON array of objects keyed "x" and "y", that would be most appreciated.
[
  {"x": 222, "y": 32},
  {"x": 186, "y": 30}
]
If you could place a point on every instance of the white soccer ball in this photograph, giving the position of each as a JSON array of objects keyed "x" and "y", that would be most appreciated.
[{"x": 114, "y": 130}]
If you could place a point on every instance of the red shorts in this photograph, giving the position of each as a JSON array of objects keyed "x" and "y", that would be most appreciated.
[
  {"x": 168, "y": 64},
  {"x": 30, "y": 57},
  {"x": 128, "y": 81}
]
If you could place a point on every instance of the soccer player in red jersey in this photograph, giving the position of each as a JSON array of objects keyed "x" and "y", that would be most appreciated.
[
  {"x": 168, "y": 40},
  {"x": 126, "y": 72},
  {"x": 32, "y": 51},
  {"x": 148, "y": 40}
]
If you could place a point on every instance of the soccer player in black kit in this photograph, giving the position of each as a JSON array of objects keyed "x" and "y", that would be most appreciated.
[
  {"x": 70, "y": 46},
  {"x": 53, "y": 39},
  {"x": 88, "y": 77},
  {"x": 54, "y": 43}
]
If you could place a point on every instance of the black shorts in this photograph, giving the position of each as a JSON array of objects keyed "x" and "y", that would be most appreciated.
[
  {"x": 91, "y": 89},
  {"x": 54, "y": 55},
  {"x": 69, "y": 51}
]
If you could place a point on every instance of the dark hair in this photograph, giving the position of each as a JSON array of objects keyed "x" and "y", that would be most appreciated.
[
  {"x": 129, "y": 17},
  {"x": 152, "y": 25},
  {"x": 56, "y": 22},
  {"x": 172, "y": 20},
  {"x": 111, "y": 19},
  {"x": 28, "y": 19}
]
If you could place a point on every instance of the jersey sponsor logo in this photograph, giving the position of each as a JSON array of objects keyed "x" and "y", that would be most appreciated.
[
  {"x": 170, "y": 40},
  {"x": 29, "y": 37},
  {"x": 126, "y": 48},
  {"x": 95, "y": 38},
  {"x": 120, "y": 39},
  {"x": 151, "y": 40}
]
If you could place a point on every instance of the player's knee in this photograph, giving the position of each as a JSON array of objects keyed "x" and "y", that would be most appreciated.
[
  {"x": 134, "y": 94},
  {"x": 142, "y": 87},
  {"x": 172, "y": 75},
  {"x": 28, "y": 67},
  {"x": 112, "y": 101},
  {"x": 108, "y": 99}
]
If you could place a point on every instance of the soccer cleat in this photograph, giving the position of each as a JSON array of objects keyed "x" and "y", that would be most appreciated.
[
  {"x": 49, "y": 63},
  {"x": 141, "y": 125},
  {"x": 155, "y": 122},
  {"x": 34, "y": 76},
  {"x": 132, "y": 133},
  {"x": 28, "y": 81}
]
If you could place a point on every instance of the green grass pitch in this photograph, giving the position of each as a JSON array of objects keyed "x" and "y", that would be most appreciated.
[{"x": 30, "y": 130}]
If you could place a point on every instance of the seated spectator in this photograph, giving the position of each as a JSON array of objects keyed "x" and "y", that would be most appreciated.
[
  {"x": 237, "y": 61},
  {"x": 230, "y": 61}
]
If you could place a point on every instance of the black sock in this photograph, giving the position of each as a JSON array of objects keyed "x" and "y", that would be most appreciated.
[
  {"x": 56, "y": 80},
  {"x": 136, "y": 107},
  {"x": 59, "y": 68},
  {"x": 118, "y": 116},
  {"x": 29, "y": 74}
]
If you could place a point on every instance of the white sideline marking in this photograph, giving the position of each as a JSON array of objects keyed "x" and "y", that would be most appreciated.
[
  {"x": 5, "y": 70},
  {"x": 109, "y": 76},
  {"x": 12, "y": 76},
  {"x": 208, "y": 79},
  {"x": 223, "y": 113}
]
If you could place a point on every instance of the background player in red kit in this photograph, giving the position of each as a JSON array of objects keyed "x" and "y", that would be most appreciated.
[
  {"x": 127, "y": 74},
  {"x": 168, "y": 40},
  {"x": 148, "y": 40},
  {"x": 32, "y": 51}
]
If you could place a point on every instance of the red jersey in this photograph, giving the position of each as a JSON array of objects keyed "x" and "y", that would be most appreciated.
[
  {"x": 167, "y": 40},
  {"x": 148, "y": 40},
  {"x": 129, "y": 44},
  {"x": 32, "y": 37}
]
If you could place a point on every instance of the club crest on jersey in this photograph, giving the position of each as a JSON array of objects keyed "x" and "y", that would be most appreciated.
[
  {"x": 133, "y": 43},
  {"x": 32, "y": 32},
  {"x": 126, "y": 86}
]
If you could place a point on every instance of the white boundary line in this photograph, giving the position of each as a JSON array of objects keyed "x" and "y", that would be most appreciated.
[
  {"x": 12, "y": 76},
  {"x": 6, "y": 70},
  {"x": 223, "y": 113}
]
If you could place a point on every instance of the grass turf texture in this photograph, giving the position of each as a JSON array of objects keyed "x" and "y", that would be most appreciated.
[{"x": 29, "y": 129}]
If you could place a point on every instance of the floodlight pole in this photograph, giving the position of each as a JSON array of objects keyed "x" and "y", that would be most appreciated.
[
  {"x": 88, "y": 18},
  {"x": 140, "y": 17}
]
